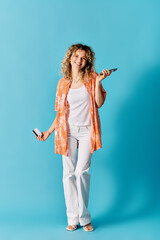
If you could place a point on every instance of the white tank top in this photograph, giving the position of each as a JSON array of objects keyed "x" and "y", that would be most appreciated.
[{"x": 79, "y": 102}]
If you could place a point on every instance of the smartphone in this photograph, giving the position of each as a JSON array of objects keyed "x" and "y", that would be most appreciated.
[
  {"x": 37, "y": 132},
  {"x": 113, "y": 70}
]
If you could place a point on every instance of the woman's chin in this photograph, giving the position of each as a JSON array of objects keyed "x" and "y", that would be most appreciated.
[{"x": 76, "y": 68}]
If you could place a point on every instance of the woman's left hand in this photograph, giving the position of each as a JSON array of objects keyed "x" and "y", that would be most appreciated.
[{"x": 103, "y": 75}]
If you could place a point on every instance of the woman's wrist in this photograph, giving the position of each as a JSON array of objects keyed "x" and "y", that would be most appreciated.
[
  {"x": 98, "y": 84},
  {"x": 49, "y": 132}
]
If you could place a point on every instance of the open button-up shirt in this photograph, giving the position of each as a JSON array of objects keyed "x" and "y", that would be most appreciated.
[{"x": 62, "y": 108}]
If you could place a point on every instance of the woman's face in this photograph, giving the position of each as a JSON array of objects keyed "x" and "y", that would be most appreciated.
[{"x": 78, "y": 60}]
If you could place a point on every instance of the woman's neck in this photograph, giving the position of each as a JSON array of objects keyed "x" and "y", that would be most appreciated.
[{"x": 75, "y": 75}]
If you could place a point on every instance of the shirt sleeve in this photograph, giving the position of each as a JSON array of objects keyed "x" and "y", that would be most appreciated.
[{"x": 57, "y": 97}]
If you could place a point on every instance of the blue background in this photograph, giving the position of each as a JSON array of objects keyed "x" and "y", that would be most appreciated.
[{"x": 125, "y": 180}]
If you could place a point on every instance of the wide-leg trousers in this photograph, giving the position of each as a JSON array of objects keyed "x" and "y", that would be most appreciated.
[{"x": 76, "y": 176}]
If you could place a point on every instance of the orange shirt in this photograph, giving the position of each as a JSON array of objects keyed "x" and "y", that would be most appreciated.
[{"x": 62, "y": 108}]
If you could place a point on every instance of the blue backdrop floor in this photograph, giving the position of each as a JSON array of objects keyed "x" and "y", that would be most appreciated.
[{"x": 144, "y": 228}]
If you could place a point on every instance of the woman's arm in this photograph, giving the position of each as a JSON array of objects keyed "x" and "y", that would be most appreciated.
[
  {"x": 52, "y": 127},
  {"x": 100, "y": 93},
  {"x": 99, "y": 98}
]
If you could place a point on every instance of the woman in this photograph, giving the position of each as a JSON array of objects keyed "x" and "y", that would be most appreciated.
[{"x": 77, "y": 125}]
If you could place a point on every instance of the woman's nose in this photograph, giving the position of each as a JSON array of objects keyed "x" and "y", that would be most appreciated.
[{"x": 79, "y": 60}]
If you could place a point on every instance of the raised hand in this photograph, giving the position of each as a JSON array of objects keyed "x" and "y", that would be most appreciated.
[{"x": 103, "y": 75}]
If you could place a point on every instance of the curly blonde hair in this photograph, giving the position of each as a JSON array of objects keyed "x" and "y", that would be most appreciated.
[{"x": 66, "y": 69}]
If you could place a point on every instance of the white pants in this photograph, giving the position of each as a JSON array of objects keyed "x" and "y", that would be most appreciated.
[{"x": 76, "y": 176}]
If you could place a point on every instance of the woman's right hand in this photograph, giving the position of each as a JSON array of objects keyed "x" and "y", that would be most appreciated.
[{"x": 44, "y": 136}]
